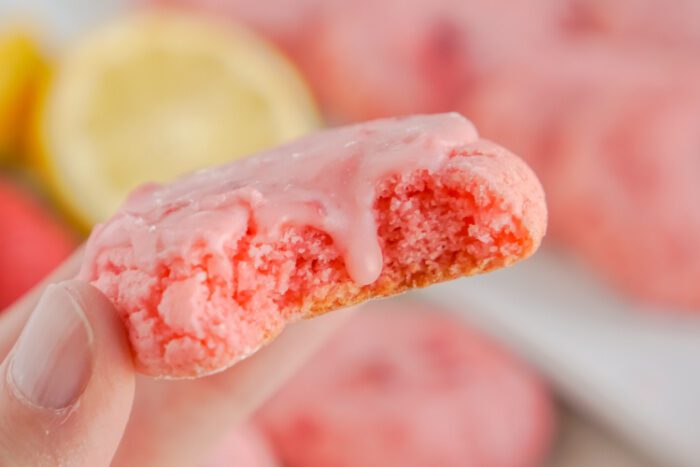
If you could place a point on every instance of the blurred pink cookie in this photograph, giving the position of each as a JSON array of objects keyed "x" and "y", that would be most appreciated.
[
  {"x": 630, "y": 175},
  {"x": 524, "y": 104},
  {"x": 612, "y": 134},
  {"x": 404, "y": 384},
  {"x": 32, "y": 242},
  {"x": 394, "y": 57},
  {"x": 245, "y": 446},
  {"x": 207, "y": 269}
]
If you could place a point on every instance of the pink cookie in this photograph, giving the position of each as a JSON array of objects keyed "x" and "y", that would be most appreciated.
[
  {"x": 404, "y": 384},
  {"x": 630, "y": 175},
  {"x": 525, "y": 104},
  {"x": 32, "y": 242},
  {"x": 615, "y": 144},
  {"x": 423, "y": 60},
  {"x": 207, "y": 269},
  {"x": 245, "y": 446}
]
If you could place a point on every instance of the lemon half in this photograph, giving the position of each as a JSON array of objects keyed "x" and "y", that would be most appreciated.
[{"x": 152, "y": 96}]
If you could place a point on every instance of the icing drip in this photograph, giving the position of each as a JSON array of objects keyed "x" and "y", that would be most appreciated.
[{"x": 326, "y": 180}]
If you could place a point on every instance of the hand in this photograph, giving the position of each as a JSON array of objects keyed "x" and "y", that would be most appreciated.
[{"x": 69, "y": 394}]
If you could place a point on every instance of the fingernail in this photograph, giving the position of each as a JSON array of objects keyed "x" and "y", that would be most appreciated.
[{"x": 52, "y": 359}]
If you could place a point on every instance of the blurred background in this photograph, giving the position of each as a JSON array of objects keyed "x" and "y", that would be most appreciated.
[{"x": 601, "y": 98}]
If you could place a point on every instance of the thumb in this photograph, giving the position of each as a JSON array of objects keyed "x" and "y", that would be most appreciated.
[{"x": 67, "y": 386}]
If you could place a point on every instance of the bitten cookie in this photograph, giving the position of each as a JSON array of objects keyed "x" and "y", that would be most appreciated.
[{"x": 207, "y": 269}]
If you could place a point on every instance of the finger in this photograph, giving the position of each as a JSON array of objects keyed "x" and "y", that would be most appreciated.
[
  {"x": 184, "y": 419},
  {"x": 13, "y": 318},
  {"x": 67, "y": 386}
]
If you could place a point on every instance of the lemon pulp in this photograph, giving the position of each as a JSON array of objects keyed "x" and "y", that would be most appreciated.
[{"x": 154, "y": 96}]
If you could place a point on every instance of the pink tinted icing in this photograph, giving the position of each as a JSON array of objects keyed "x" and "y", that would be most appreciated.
[{"x": 326, "y": 181}]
